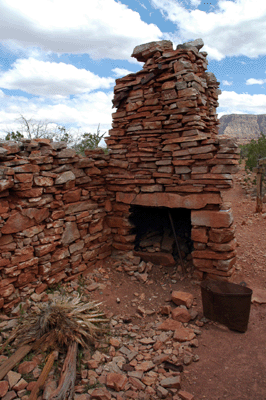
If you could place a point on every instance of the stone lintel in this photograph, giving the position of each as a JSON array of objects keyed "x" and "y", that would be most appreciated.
[{"x": 170, "y": 200}]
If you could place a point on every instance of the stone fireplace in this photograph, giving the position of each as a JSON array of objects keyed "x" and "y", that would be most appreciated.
[
  {"x": 156, "y": 230},
  {"x": 165, "y": 156}
]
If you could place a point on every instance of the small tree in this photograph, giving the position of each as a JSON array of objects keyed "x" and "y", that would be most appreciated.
[
  {"x": 16, "y": 136},
  {"x": 88, "y": 141},
  {"x": 31, "y": 128},
  {"x": 253, "y": 151}
]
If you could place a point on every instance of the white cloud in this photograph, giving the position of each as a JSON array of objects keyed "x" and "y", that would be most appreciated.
[
  {"x": 226, "y": 83},
  {"x": 119, "y": 72},
  {"x": 84, "y": 111},
  {"x": 235, "y": 103},
  {"x": 233, "y": 29},
  {"x": 102, "y": 28},
  {"x": 51, "y": 79},
  {"x": 252, "y": 81},
  {"x": 195, "y": 3}
]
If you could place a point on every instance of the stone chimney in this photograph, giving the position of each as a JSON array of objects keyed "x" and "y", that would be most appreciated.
[{"x": 165, "y": 152}]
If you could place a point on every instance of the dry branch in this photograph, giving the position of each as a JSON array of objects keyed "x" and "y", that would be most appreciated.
[
  {"x": 41, "y": 380},
  {"x": 65, "y": 390},
  {"x": 13, "y": 360}
]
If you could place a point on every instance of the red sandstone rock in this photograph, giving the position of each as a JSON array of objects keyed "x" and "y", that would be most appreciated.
[
  {"x": 71, "y": 233},
  {"x": 6, "y": 239},
  {"x": 170, "y": 200},
  {"x": 100, "y": 394},
  {"x": 4, "y": 207},
  {"x": 26, "y": 253},
  {"x": 170, "y": 325},
  {"x": 72, "y": 196},
  {"x": 144, "y": 366},
  {"x": 182, "y": 298},
  {"x": 20, "y": 385},
  {"x": 221, "y": 235},
  {"x": 3, "y": 388},
  {"x": 7, "y": 291},
  {"x": 158, "y": 258},
  {"x": 181, "y": 314},
  {"x": 10, "y": 395},
  {"x": 34, "y": 192},
  {"x": 25, "y": 278},
  {"x": 185, "y": 395},
  {"x": 214, "y": 219},
  {"x": 45, "y": 249},
  {"x": 171, "y": 382},
  {"x": 40, "y": 289},
  {"x": 26, "y": 367},
  {"x": 16, "y": 223},
  {"x": 43, "y": 181},
  {"x": 213, "y": 255},
  {"x": 229, "y": 246},
  {"x": 38, "y": 214},
  {"x": 116, "y": 381},
  {"x": 199, "y": 235},
  {"x": 184, "y": 334}
]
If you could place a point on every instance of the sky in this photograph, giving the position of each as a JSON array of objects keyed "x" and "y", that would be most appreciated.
[{"x": 59, "y": 59}]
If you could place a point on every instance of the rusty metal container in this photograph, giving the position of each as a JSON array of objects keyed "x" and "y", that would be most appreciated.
[{"x": 227, "y": 303}]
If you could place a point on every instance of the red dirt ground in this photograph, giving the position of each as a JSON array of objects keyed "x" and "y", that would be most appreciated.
[{"x": 231, "y": 365}]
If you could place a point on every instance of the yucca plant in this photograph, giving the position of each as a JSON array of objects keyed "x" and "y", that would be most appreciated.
[{"x": 62, "y": 321}]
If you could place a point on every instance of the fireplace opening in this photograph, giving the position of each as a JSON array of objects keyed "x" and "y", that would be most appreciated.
[{"x": 154, "y": 232}]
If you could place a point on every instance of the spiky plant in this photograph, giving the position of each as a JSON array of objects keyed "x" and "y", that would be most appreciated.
[{"x": 60, "y": 322}]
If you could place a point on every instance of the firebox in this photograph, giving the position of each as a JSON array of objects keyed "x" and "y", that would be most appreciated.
[{"x": 162, "y": 230}]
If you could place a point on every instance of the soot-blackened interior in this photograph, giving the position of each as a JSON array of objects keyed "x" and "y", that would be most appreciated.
[{"x": 154, "y": 232}]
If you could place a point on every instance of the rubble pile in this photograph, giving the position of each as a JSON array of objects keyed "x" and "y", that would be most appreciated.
[
  {"x": 165, "y": 152},
  {"x": 52, "y": 216},
  {"x": 139, "y": 360}
]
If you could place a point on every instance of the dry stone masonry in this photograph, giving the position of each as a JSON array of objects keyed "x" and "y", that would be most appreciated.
[
  {"x": 53, "y": 205},
  {"x": 165, "y": 151},
  {"x": 61, "y": 213}
]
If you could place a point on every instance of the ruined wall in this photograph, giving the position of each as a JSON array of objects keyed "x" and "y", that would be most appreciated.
[
  {"x": 166, "y": 153},
  {"x": 60, "y": 213},
  {"x": 53, "y": 205}
]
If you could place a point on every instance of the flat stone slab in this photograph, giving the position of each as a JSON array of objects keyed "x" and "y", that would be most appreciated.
[
  {"x": 158, "y": 258},
  {"x": 259, "y": 296},
  {"x": 145, "y": 51}
]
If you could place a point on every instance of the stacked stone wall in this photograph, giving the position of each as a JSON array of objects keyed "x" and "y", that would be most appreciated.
[
  {"x": 61, "y": 213},
  {"x": 165, "y": 150},
  {"x": 53, "y": 206}
]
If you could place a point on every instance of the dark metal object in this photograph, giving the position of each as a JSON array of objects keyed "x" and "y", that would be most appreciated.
[
  {"x": 177, "y": 244},
  {"x": 227, "y": 303}
]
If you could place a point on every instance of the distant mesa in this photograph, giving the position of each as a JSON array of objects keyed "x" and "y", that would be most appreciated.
[{"x": 242, "y": 126}]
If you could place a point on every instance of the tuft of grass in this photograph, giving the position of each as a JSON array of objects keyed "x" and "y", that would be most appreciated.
[{"x": 79, "y": 359}]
